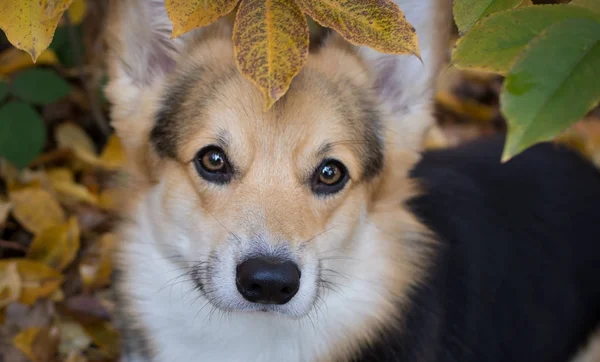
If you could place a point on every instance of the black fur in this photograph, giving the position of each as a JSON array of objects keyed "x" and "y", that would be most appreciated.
[{"x": 517, "y": 275}]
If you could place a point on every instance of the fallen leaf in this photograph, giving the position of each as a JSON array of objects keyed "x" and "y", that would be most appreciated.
[
  {"x": 40, "y": 86},
  {"x": 187, "y": 15},
  {"x": 77, "y": 11},
  {"x": 30, "y": 24},
  {"x": 105, "y": 336},
  {"x": 113, "y": 154},
  {"x": 60, "y": 174},
  {"x": 71, "y": 192},
  {"x": 13, "y": 60},
  {"x": 73, "y": 338},
  {"x": 468, "y": 108},
  {"x": 96, "y": 266},
  {"x": 380, "y": 25},
  {"x": 10, "y": 284},
  {"x": 39, "y": 344},
  {"x": 56, "y": 246},
  {"x": 270, "y": 41},
  {"x": 37, "y": 279},
  {"x": 36, "y": 209},
  {"x": 71, "y": 136}
]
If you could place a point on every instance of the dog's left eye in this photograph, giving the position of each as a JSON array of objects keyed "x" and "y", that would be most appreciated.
[
  {"x": 330, "y": 177},
  {"x": 212, "y": 165}
]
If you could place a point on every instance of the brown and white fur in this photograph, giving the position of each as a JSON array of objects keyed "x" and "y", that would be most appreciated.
[{"x": 359, "y": 251}]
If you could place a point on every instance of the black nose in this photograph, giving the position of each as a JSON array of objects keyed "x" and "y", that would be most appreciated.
[{"x": 267, "y": 281}]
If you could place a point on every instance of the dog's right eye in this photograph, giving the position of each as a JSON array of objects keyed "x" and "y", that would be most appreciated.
[{"x": 212, "y": 165}]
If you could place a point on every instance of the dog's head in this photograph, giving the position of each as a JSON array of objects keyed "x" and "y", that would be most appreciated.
[{"x": 272, "y": 209}]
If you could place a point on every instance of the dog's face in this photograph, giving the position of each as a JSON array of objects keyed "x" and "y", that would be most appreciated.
[{"x": 265, "y": 210}]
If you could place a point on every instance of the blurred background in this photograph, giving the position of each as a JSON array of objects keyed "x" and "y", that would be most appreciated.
[{"x": 57, "y": 211}]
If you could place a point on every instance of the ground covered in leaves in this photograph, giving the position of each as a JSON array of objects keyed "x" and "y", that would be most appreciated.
[{"x": 57, "y": 212}]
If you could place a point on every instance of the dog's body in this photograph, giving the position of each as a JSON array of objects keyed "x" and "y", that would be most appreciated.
[{"x": 298, "y": 234}]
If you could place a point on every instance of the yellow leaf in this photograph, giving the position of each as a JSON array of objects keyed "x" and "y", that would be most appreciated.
[
  {"x": 37, "y": 279},
  {"x": 71, "y": 136},
  {"x": 5, "y": 208},
  {"x": 73, "y": 338},
  {"x": 104, "y": 336},
  {"x": 36, "y": 209},
  {"x": 10, "y": 284},
  {"x": 13, "y": 59},
  {"x": 270, "y": 41},
  {"x": 187, "y": 15},
  {"x": 39, "y": 344},
  {"x": 71, "y": 192},
  {"x": 380, "y": 24},
  {"x": 113, "y": 155},
  {"x": 77, "y": 11},
  {"x": 56, "y": 246},
  {"x": 96, "y": 267},
  {"x": 467, "y": 107},
  {"x": 60, "y": 174},
  {"x": 30, "y": 24}
]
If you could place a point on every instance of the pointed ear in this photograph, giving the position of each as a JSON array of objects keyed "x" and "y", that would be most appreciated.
[{"x": 404, "y": 83}]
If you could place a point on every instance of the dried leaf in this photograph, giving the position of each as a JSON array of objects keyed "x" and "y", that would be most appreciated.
[
  {"x": 113, "y": 154},
  {"x": 271, "y": 44},
  {"x": 187, "y": 15},
  {"x": 56, "y": 246},
  {"x": 77, "y": 11},
  {"x": 37, "y": 279},
  {"x": 71, "y": 192},
  {"x": 468, "y": 108},
  {"x": 36, "y": 209},
  {"x": 380, "y": 24},
  {"x": 10, "y": 284},
  {"x": 105, "y": 336},
  {"x": 13, "y": 60},
  {"x": 71, "y": 136},
  {"x": 73, "y": 338},
  {"x": 96, "y": 267},
  {"x": 60, "y": 174},
  {"x": 39, "y": 344},
  {"x": 30, "y": 24}
]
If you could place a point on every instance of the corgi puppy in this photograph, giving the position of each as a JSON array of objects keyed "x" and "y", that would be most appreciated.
[{"x": 318, "y": 230}]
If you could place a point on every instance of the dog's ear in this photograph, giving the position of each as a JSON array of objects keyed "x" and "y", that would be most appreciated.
[{"x": 405, "y": 84}]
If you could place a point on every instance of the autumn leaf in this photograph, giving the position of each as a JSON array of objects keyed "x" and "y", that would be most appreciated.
[
  {"x": 30, "y": 24},
  {"x": 105, "y": 336},
  {"x": 70, "y": 136},
  {"x": 36, "y": 209},
  {"x": 10, "y": 284},
  {"x": 96, "y": 267},
  {"x": 270, "y": 40},
  {"x": 56, "y": 246},
  {"x": 187, "y": 15},
  {"x": 380, "y": 25},
  {"x": 39, "y": 344},
  {"x": 113, "y": 155},
  {"x": 37, "y": 279}
]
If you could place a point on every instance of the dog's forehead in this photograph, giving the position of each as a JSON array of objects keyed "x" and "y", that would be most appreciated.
[{"x": 324, "y": 107}]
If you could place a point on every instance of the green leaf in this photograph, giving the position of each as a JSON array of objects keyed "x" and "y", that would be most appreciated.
[
  {"x": 61, "y": 44},
  {"x": 468, "y": 12},
  {"x": 3, "y": 90},
  {"x": 494, "y": 43},
  {"x": 40, "y": 86},
  {"x": 590, "y": 4},
  {"x": 553, "y": 84},
  {"x": 22, "y": 133}
]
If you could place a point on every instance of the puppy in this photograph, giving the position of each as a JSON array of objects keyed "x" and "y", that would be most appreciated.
[{"x": 317, "y": 230}]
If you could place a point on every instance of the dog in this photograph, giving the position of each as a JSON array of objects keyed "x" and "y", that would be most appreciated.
[{"x": 320, "y": 230}]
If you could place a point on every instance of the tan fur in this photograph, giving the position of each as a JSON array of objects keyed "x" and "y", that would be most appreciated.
[{"x": 173, "y": 213}]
